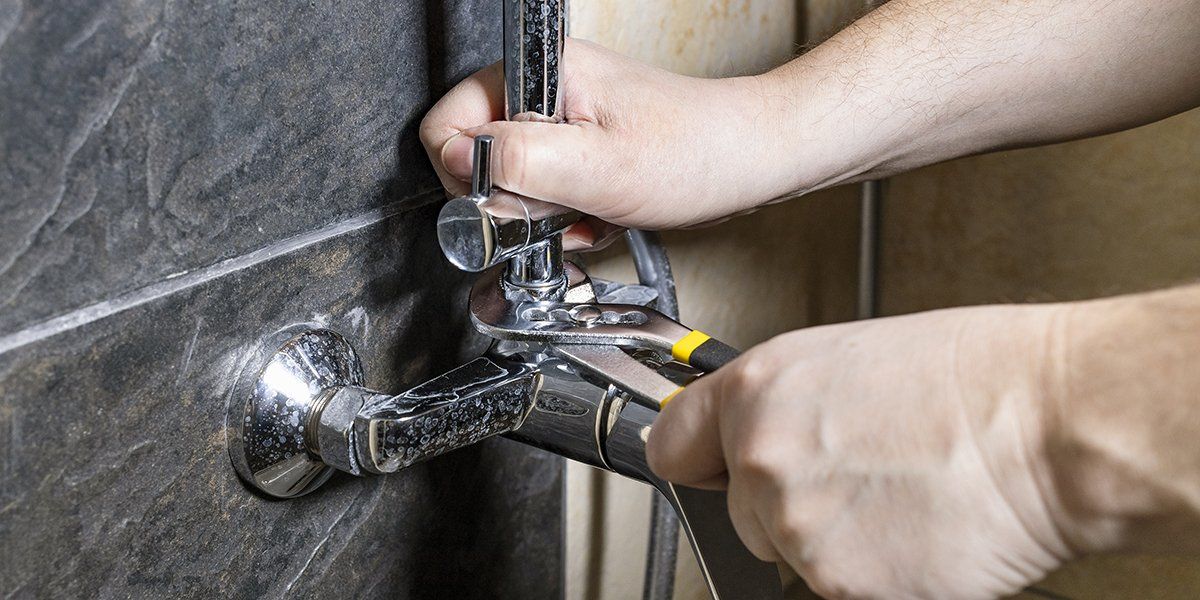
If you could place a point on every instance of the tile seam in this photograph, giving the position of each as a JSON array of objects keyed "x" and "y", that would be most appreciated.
[{"x": 165, "y": 287}]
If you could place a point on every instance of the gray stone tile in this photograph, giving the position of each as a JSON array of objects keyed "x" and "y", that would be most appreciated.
[
  {"x": 143, "y": 138},
  {"x": 115, "y": 480}
]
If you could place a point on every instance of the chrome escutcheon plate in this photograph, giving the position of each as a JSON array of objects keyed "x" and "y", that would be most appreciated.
[{"x": 272, "y": 402}]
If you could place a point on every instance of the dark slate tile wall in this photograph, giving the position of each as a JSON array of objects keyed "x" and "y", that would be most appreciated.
[
  {"x": 145, "y": 138},
  {"x": 139, "y": 140}
]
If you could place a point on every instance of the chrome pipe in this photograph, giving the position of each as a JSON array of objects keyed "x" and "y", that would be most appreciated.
[
  {"x": 539, "y": 267},
  {"x": 312, "y": 383},
  {"x": 569, "y": 416},
  {"x": 533, "y": 45}
]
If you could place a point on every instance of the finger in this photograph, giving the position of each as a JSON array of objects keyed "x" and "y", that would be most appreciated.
[
  {"x": 590, "y": 234},
  {"x": 716, "y": 484},
  {"x": 477, "y": 100},
  {"x": 722, "y": 219},
  {"x": 561, "y": 163},
  {"x": 747, "y": 523},
  {"x": 685, "y": 442}
]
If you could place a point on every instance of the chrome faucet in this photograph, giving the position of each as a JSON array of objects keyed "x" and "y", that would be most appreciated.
[
  {"x": 306, "y": 414},
  {"x": 579, "y": 367}
]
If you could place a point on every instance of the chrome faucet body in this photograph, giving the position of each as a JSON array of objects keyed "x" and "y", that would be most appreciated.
[{"x": 307, "y": 413}]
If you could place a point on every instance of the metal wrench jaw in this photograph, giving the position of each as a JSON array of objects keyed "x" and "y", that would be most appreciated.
[
  {"x": 641, "y": 382},
  {"x": 577, "y": 320}
]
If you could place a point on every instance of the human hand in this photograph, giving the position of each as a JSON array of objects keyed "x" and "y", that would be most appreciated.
[
  {"x": 893, "y": 458},
  {"x": 640, "y": 147}
]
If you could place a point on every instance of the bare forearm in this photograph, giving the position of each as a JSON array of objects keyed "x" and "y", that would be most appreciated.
[
  {"x": 1125, "y": 452},
  {"x": 921, "y": 81}
]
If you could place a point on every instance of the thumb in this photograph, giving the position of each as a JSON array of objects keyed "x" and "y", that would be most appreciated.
[
  {"x": 685, "y": 441},
  {"x": 546, "y": 161}
]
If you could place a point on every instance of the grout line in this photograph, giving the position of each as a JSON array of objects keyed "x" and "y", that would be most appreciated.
[{"x": 171, "y": 285}]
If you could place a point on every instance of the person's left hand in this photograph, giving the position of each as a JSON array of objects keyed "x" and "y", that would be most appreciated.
[
  {"x": 639, "y": 146},
  {"x": 894, "y": 458}
]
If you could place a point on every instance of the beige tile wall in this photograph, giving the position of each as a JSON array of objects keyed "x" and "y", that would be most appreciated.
[
  {"x": 1115, "y": 214},
  {"x": 744, "y": 281}
]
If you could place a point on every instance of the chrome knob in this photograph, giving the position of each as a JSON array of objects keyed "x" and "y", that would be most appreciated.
[{"x": 490, "y": 226}]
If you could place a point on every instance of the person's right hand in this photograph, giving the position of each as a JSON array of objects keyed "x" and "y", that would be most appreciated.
[
  {"x": 641, "y": 147},
  {"x": 904, "y": 457}
]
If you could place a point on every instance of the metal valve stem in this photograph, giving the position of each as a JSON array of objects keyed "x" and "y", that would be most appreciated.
[{"x": 489, "y": 226}]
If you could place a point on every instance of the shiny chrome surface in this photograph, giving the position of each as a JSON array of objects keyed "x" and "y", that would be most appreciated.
[
  {"x": 304, "y": 412},
  {"x": 729, "y": 569},
  {"x": 614, "y": 365},
  {"x": 573, "y": 411},
  {"x": 481, "y": 166},
  {"x": 570, "y": 414},
  {"x": 533, "y": 45},
  {"x": 333, "y": 427},
  {"x": 274, "y": 398},
  {"x": 539, "y": 268},
  {"x": 490, "y": 226},
  {"x": 533, "y": 48},
  {"x": 478, "y": 400},
  {"x": 308, "y": 413},
  {"x": 507, "y": 317}
]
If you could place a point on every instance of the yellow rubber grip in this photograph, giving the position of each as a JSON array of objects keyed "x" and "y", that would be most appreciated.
[
  {"x": 669, "y": 397},
  {"x": 682, "y": 350}
]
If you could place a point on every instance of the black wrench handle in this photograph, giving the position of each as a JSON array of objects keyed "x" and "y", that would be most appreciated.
[{"x": 703, "y": 352}]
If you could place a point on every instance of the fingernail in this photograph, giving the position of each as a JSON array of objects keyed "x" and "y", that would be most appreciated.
[
  {"x": 456, "y": 156},
  {"x": 578, "y": 238}
]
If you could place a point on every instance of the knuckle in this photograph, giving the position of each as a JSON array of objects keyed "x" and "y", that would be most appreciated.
[
  {"x": 832, "y": 573},
  {"x": 793, "y": 526},
  {"x": 762, "y": 550},
  {"x": 745, "y": 375},
  {"x": 756, "y": 461},
  {"x": 826, "y": 588},
  {"x": 825, "y": 578},
  {"x": 432, "y": 128},
  {"x": 746, "y": 524},
  {"x": 425, "y": 130}
]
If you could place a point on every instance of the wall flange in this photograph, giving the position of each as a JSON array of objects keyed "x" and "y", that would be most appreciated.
[{"x": 280, "y": 387}]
